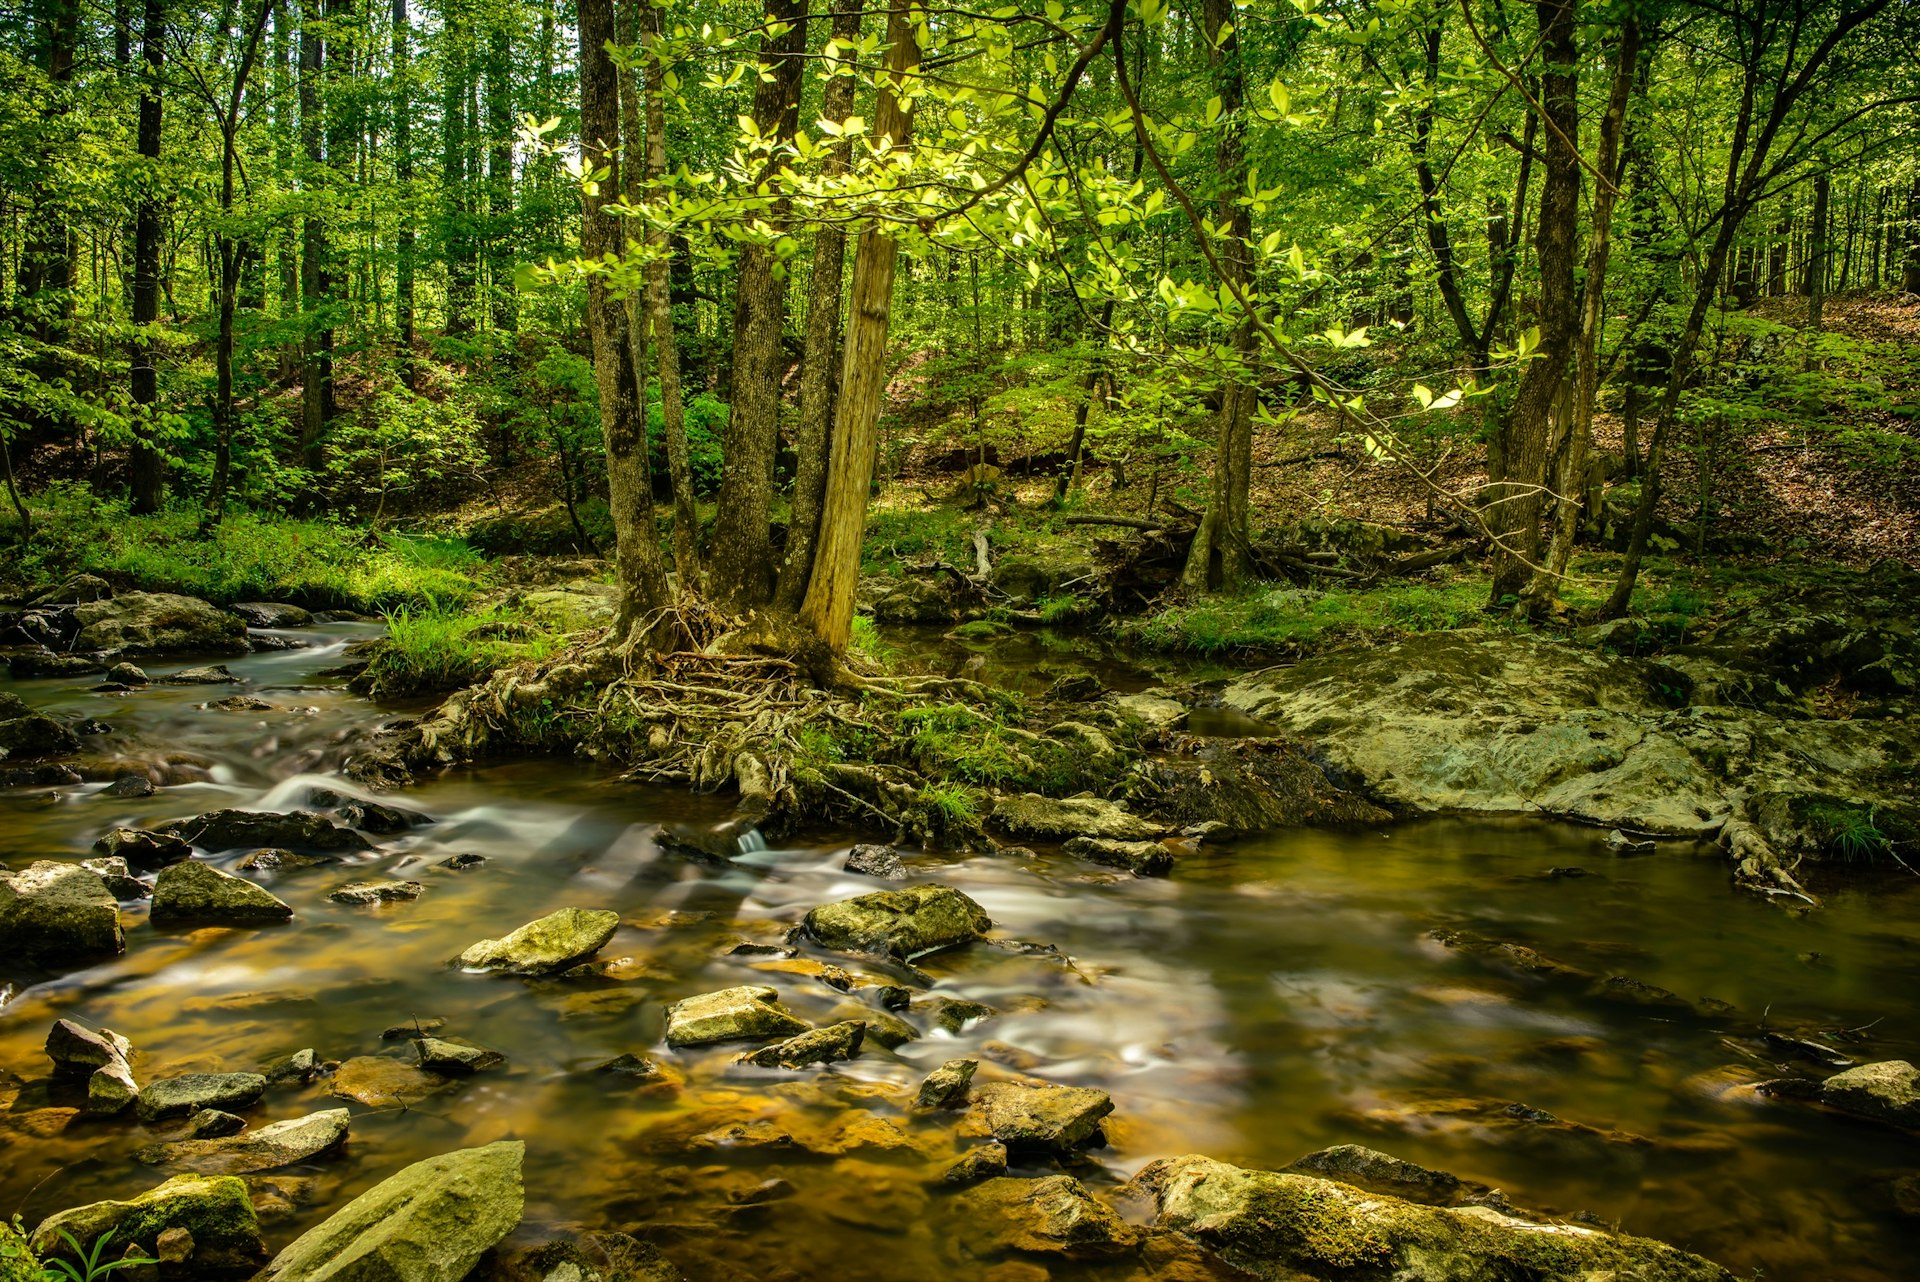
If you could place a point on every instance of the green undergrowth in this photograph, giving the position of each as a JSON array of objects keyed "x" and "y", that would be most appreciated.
[
  {"x": 440, "y": 648},
  {"x": 1281, "y": 620},
  {"x": 247, "y": 557}
]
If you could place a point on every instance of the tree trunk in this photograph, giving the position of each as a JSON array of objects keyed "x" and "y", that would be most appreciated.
[
  {"x": 811, "y": 446},
  {"x": 1572, "y": 478},
  {"x": 741, "y": 573},
  {"x": 827, "y": 610},
  {"x": 148, "y": 464},
  {"x": 457, "y": 207},
  {"x": 500, "y": 172},
  {"x": 316, "y": 357},
  {"x": 403, "y": 306},
  {"x": 1817, "y": 258},
  {"x": 666, "y": 347},
  {"x": 640, "y": 577},
  {"x": 1527, "y": 436},
  {"x": 1217, "y": 558}
]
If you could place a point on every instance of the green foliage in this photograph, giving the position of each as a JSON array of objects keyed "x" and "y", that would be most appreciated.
[
  {"x": 955, "y": 742},
  {"x": 1851, "y": 832},
  {"x": 398, "y": 441},
  {"x": 706, "y": 419},
  {"x": 248, "y": 556},
  {"x": 438, "y": 648},
  {"x": 91, "y": 1265},
  {"x": 1293, "y": 621}
]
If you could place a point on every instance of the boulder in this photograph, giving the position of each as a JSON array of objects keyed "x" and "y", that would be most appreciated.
[
  {"x": 902, "y": 924},
  {"x": 142, "y": 849},
  {"x": 1056, "y": 819},
  {"x": 947, "y": 1085},
  {"x": 34, "y": 737},
  {"x": 1888, "y": 1091},
  {"x": 207, "y": 674},
  {"x": 276, "y": 859},
  {"x": 77, "y": 1051},
  {"x": 981, "y": 1162},
  {"x": 380, "y": 1082},
  {"x": 301, "y": 1066},
  {"x": 1141, "y": 858},
  {"x": 1247, "y": 786},
  {"x": 876, "y": 861},
  {"x": 277, "y": 1144},
  {"x": 247, "y": 829},
  {"x": 1039, "y": 1115},
  {"x": 430, "y": 1222},
  {"x": 118, "y": 877},
  {"x": 372, "y": 816},
  {"x": 180, "y": 1096},
  {"x": 45, "y": 663},
  {"x": 197, "y": 892},
  {"x": 158, "y": 623},
  {"x": 1051, "y": 1216},
  {"x": 550, "y": 944},
  {"x": 820, "y": 1046},
  {"x": 377, "y": 892},
  {"x": 112, "y": 1090},
  {"x": 77, "y": 589},
  {"x": 214, "y": 1210},
  {"x": 55, "y": 913},
  {"x": 126, "y": 674},
  {"x": 455, "y": 1058},
  {"x": 1369, "y": 1168},
  {"x": 12, "y": 705},
  {"x": 1280, "y": 1228},
  {"x": 749, "y": 1013},
  {"x": 916, "y": 600},
  {"x": 271, "y": 614},
  {"x": 238, "y": 703}
]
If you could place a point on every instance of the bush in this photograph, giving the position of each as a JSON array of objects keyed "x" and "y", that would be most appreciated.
[{"x": 435, "y": 649}]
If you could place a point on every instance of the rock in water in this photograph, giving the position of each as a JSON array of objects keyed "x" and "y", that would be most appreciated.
[
  {"x": 876, "y": 861},
  {"x": 215, "y": 1210},
  {"x": 1055, "y": 1216},
  {"x": 297, "y": 1139},
  {"x": 158, "y": 623},
  {"x": 455, "y": 1059},
  {"x": 213, "y": 1124},
  {"x": 34, "y": 736},
  {"x": 1371, "y": 1169},
  {"x": 249, "y": 829},
  {"x": 372, "y": 816},
  {"x": 429, "y": 1223},
  {"x": 126, "y": 674},
  {"x": 76, "y": 1050},
  {"x": 1023, "y": 1115},
  {"x": 379, "y": 1082},
  {"x": 1888, "y": 1091},
  {"x": 947, "y": 1085},
  {"x": 552, "y": 943},
  {"x": 821, "y": 1046},
  {"x": 56, "y": 913},
  {"x": 1032, "y": 815},
  {"x": 147, "y": 851},
  {"x": 377, "y": 892},
  {"x": 1282, "y": 1227},
  {"x": 178, "y": 1096},
  {"x": 271, "y": 614},
  {"x": 749, "y": 1013},
  {"x": 119, "y": 878},
  {"x": 1141, "y": 858},
  {"x": 588, "y": 1257},
  {"x": 903, "y": 924},
  {"x": 197, "y": 892},
  {"x": 982, "y": 1162}
]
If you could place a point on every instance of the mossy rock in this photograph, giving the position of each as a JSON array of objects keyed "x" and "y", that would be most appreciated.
[
  {"x": 900, "y": 923},
  {"x": 215, "y": 1210},
  {"x": 982, "y": 630},
  {"x": 17, "y": 1261}
]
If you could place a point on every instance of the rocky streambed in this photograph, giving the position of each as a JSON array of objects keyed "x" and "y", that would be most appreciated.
[{"x": 503, "y": 1024}]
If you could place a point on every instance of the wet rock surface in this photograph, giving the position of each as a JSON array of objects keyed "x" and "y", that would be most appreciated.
[
  {"x": 552, "y": 943},
  {"x": 246, "y": 829},
  {"x": 749, "y": 1012},
  {"x": 263, "y": 1148},
  {"x": 1057, "y": 819},
  {"x": 1888, "y": 1091},
  {"x": 827, "y": 1045},
  {"x": 179, "y": 1096},
  {"x": 214, "y": 1212},
  {"x": 54, "y": 914},
  {"x": 142, "y": 623},
  {"x": 1050, "y": 1216},
  {"x": 197, "y": 892},
  {"x": 1038, "y": 1115},
  {"x": 903, "y": 924}
]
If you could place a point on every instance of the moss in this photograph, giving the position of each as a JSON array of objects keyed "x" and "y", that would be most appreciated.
[
  {"x": 982, "y": 630},
  {"x": 17, "y": 1261},
  {"x": 1283, "y": 620}
]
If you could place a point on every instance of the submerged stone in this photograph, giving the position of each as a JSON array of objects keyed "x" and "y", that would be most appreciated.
[
  {"x": 820, "y": 1046},
  {"x": 903, "y": 924},
  {"x": 1888, "y": 1091},
  {"x": 1039, "y": 1115},
  {"x": 1051, "y": 1216},
  {"x": 1281, "y": 1227},
  {"x": 552, "y": 943},
  {"x": 276, "y": 1144},
  {"x": 430, "y": 1222},
  {"x": 748, "y": 1013},
  {"x": 380, "y": 1082}
]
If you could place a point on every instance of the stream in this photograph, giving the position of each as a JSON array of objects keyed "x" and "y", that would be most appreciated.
[{"x": 1269, "y": 998}]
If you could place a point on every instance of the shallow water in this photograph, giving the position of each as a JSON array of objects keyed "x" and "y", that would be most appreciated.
[{"x": 1269, "y": 999}]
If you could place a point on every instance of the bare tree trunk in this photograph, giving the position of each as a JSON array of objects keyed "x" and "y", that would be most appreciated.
[
  {"x": 827, "y": 610},
  {"x": 659, "y": 287},
  {"x": 316, "y": 363},
  {"x": 403, "y": 307},
  {"x": 641, "y": 578},
  {"x": 505, "y": 313},
  {"x": 823, "y": 340},
  {"x": 1217, "y": 558},
  {"x": 148, "y": 464},
  {"x": 1572, "y": 479},
  {"x": 1527, "y": 436},
  {"x": 1817, "y": 253},
  {"x": 741, "y": 574}
]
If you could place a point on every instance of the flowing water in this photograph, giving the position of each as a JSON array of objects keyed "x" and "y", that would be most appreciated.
[{"x": 1268, "y": 999}]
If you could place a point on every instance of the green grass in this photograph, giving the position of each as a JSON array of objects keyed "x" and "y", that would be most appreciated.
[
  {"x": 247, "y": 557},
  {"x": 439, "y": 648},
  {"x": 1288, "y": 621}
]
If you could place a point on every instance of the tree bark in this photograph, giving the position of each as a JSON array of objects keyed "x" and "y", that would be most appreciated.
[
  {"x": 1217, "y": 558},
  {"x": 741, "y": 573},
  {"x": 316, "y": 355},
  {"x": 148, "y": 464},
  {"x": 659, "y": 288},
  {"x": 811, "y": 445},
  {"x": 639, "y": 575},
  {"x": 827, "y": 610},
  {"x": 500, "y": 172},
  {"x": 1527, "y": 435}
]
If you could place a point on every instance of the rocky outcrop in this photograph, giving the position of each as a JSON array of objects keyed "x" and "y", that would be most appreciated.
[
  {"x": 550, "y": 944},
  {"x": 748, "y": 1013},
  {"x": 277, "y": 1144},
  {"x": 902, "y": 924},
  {"x": 430, "y": 1222},
  {"x": 214, "y": 1212},
  {"x": 57, "y": 914},
  {"x": 103, "y": 1059},
  {"x": 197, "y": 892},
  {"x": 1038, "y": 1115},
  {"x": 1281, "y": 1227},
  {"x": 1888, "y": 1091},
  {"x": 250, "y": 829},
  {"x": 137, "y": 623}
]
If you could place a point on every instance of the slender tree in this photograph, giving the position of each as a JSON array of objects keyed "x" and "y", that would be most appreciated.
[{"x": 148, "y": 463}]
